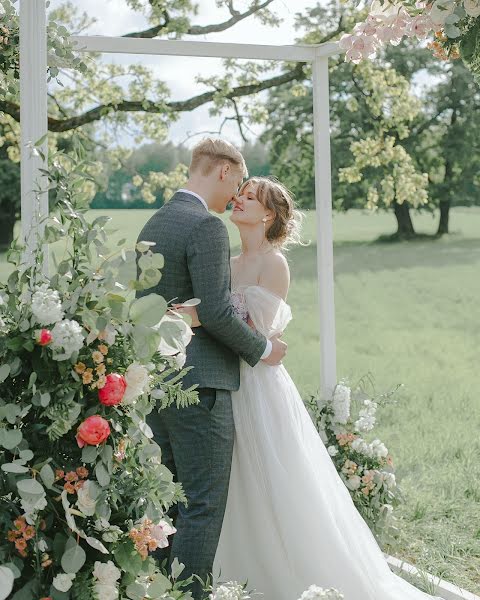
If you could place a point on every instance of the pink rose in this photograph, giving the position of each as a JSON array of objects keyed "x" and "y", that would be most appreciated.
[
  {"x": 44, "y": 337},
  {"x": 113, "y": 390},
  {"x": 93, "y": 431}
]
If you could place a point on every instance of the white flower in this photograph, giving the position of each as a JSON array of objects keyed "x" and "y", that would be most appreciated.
[
  {"x": 365, "y": 423},
  {"x": 229, "y": 591},
  {"x": 105, "y": 591},
  {"x": 46, "y": 305},
  {"x": 136, "y": 377},
  {"x": 379, "y": 449},
  {"x": 389, "y": 480},
  {"x": 317, "y": 593},
  {"x": 106, "y": 573},
  {"x": 67, "y": 336},
  {"x": 2, "y": 323},
  {"x": 341, "y": 404},
  {"x": 472, "y": 7},
  {"x": 85, "y": 502},
  {"x": 332, "y": 450},
  {"x": 31, "y": 507},
  {"x": 160, "y": 532},
  {"x": 179, "y": 335},
  {"x": 180, "y": 359},
  {"x": 63, "y": 581},
  {"x": 353, "y": 482}
]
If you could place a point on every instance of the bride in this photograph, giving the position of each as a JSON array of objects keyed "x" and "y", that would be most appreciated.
[{"x": 290, "y": 521}]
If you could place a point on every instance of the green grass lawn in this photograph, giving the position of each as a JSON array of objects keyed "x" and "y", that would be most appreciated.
[{"x": 406, "y": 313}]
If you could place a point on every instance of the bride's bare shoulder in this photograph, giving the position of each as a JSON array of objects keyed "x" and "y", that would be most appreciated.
[{"x": 275, "y": 273}]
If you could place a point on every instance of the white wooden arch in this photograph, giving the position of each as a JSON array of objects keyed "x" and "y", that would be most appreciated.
[{"x": 33, "y": 115}]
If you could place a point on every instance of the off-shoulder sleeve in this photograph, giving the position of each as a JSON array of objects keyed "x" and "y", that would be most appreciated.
[{"x": 270, "y": 313}]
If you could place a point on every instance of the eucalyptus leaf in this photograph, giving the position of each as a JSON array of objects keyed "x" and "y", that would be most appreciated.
[
  {"x": 136, "y": 591},
  {"x": 102, "y": 475},
  {"x": 6, "y": 582},
  {"x": 14, "y": 468},
  {"x": 144, "y": 246},
  {"x": 30, "y": 487},
  {"x": 47, "y": 475},
  {"x": 89, "y": 454},
  {"x": 4, "y": 372},
  {"x": 10, "y": 438},
  {"x": 73, "y": 558},
  {"x": 148, "y": 310},
  {"x": 159, "y": 586}
]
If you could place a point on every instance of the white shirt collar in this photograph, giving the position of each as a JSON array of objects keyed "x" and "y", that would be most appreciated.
[{"x": 184, "y": 191}]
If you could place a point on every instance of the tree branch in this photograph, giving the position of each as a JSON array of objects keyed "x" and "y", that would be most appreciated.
[
  {"x": 204, "y": 29},
  {"x": 148, "y": 106}
]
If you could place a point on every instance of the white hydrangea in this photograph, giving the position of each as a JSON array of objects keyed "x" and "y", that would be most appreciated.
[
  {"x": 46, "y": 305},
  {"x": 137, "y": 380},
  {"x": 366, "y": 420},
  {"x": 389, "y": 480},
  {"x": 67, "y": 336},
  {"x": 229, "y": 591},
  {"x": 317, "y": 593},
  {"x": 341, "y": 403},
  {"x": 353, "y": 482},
  {"x": 63, "y": 581},
  {"x": 106, "y": 575},
  {"x": 379, "y": 449},
  {"x": 332, "y": 450}
]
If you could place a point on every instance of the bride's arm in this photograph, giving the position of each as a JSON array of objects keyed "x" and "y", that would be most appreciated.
[{"x": 275, "y": 274}]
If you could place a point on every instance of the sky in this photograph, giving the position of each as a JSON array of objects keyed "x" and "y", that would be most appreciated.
[{"x": 114, "y": 17}]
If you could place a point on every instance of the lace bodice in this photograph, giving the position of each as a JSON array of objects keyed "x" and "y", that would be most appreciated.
[{"x": 269, "y": 313}]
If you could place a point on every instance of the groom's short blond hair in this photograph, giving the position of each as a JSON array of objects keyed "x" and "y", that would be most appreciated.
[{"x": 211, "y": 152}]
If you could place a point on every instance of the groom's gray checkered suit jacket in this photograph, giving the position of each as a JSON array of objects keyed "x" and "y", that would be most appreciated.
[{"x": 196, "y": 249}]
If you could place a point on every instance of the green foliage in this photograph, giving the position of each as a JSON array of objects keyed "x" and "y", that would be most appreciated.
[{"x": 57, "y": 395}]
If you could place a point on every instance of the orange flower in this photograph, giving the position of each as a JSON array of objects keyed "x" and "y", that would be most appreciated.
[
  {"x": 100, "y": 370},
  {"x": 20, "y": 523},
  {"x": 20, "y": 544},
  {"x": 103, "y": 349},
  {"x": 59, "y": 474},
  {"x": 29, "y": 532},
  {"x": 82, "y": 472},
  {"x": 97, "y": 357},
  {"x": 87, "y": 377},
  {"x": 79, "y": 484},
  {"x": 102, "y": 380},
  {"x": 12, "y": 535},
  {"x": 71, "y": 476},
  {"x": 46, "y": 563},
  {"x": 80, "y": 368},
  {"x": 69, "y": 487}
]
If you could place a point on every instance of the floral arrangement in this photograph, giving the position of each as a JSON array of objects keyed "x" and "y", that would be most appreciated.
[
  {"x": 235, "y": 591},
  {"x": 83, "y": 492},
  {"x": 365, "y": 467},
  {"x": 455, "y": 25}
]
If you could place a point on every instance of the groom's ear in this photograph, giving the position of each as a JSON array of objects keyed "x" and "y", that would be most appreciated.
[{"x": 224, "y": 171}]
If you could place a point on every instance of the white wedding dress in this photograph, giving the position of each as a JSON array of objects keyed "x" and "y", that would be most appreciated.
[{"x": 290, "y": 521}]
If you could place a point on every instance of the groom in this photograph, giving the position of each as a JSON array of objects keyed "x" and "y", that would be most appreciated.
[{"x": 197, "y": 441}]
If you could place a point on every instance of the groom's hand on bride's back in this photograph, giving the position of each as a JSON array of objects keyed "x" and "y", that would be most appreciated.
[{"x": 279, "y": 349}]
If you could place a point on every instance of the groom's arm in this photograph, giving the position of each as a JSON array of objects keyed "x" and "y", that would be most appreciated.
[{"x": 208, "y": 258}]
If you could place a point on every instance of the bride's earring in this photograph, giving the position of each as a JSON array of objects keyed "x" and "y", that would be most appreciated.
[{"x": 264, "y": 219}]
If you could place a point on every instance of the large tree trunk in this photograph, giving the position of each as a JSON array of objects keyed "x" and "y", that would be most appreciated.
[
  {"x": 447, "y": 186},
  {"x": 404, "y": 220},
  {"x": 444, "y": 217}
]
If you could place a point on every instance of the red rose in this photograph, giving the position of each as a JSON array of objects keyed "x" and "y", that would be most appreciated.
[
  {"x": 44, "y": 337},
  {"x": 113, "y": 390},
  {"x": 93, "y": 431}
]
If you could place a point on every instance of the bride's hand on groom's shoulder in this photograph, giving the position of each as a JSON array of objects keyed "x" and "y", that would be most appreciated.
[
  {"x": 279, "y": 350},
  {"x": 191, "y": 311}
]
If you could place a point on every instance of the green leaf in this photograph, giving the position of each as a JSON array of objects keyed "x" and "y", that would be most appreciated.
[
  {"x": 10, "y": 438},
  {"x": 47, "y": 475},
  {"x": 4, "y": 372},
  {"x": 89, "y": 454},
  {"x": 159, "y": 586},
  {"x": 177, "y": 568},
  {"x": 148, "y": 310},
  {"x": 27, "y": 592},
  {"x": 30, "y": 487},
  {"x": 136, "y": 591},
  {"x": 102, "y": 475},
  {"x": 128, "y": 558},
  {"x": 14, "y": 468},
  {"x": 144, "y": 246},
  {"x": 73, "y": 558}
]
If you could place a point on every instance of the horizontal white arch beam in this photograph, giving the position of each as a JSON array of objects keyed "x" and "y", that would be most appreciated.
[{"x": 124, "y": 45}]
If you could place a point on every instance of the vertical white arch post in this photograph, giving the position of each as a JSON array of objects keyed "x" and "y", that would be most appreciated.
[
  {"x": 323, "y": 202},
  {"x": 33, "y": 118}
]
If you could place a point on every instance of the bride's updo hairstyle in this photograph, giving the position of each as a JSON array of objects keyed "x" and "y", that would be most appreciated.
[{"x": 284, "y": 229}]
